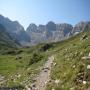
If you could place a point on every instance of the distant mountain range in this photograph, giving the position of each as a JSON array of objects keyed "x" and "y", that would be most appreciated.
[{"x": 51, "y": 32}]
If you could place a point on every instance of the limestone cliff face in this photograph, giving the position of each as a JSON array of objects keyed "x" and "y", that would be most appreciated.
[
  {"x": 80, "y": 26},
  {"x": 50, "y": 32}
]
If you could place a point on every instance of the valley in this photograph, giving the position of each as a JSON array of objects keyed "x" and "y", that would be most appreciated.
[
  {"x": 20, "y": 68},
  {"x": 44, "y": 44}
]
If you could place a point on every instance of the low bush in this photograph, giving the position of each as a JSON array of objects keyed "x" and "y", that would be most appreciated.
[{"x": 35, "y": 58}]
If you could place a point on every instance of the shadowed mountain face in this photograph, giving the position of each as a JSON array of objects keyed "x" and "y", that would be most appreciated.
[
  {"x": 15, "y": 30},
  {"x": 6, "y": 40}
]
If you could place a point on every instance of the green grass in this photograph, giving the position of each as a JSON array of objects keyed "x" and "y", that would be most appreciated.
[
  {"x": 11, "y": 66},
  {"x": 68, "y": 54}
]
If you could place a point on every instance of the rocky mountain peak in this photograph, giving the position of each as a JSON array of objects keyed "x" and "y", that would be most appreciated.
[{"x": 80, "y": 26}]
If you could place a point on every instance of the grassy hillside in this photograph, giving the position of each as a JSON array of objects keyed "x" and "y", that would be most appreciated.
[
  {"x": 69, "y": 71},
  {"x": 19, "y": 67}
]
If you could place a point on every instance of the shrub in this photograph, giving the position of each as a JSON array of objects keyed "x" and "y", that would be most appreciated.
[
  {"x": 35, "y": 58},
  {"x": 46, "y": 47}
]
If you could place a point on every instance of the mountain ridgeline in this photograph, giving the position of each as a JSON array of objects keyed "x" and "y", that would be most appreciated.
[
  {"x": 15, "y": 30},
  {"x": 51, "y": 32}
]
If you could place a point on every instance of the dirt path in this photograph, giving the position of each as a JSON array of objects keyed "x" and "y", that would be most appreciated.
[{"x": 44, "y": 75}]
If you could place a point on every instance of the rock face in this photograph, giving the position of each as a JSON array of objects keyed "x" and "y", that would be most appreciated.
[
  {"x": 37, "y": 33},
  {"x": 15, "y": 30},
  {"x": 50, "y": 32},
  {"x": 66, "y": 28},
  {"x": 80, "y": 27}
]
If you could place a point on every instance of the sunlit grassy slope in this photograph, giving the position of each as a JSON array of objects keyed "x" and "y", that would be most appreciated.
[{"x": 70, "y": 70}]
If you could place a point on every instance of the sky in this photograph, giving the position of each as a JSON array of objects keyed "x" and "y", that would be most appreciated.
[{"x": 42, "y": 11}]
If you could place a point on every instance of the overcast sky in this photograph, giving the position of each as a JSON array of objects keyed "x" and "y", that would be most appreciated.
[{"x": 42, "y": 11}]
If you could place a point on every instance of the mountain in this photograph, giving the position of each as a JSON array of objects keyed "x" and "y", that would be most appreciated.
[
  {"x": 37, "y": 33},
  {"x": 80, "y": 26},
  {"x": 15, "y": 30},
  {"x": 50, "y": 32},
  {"x": 6, "y": 40}
]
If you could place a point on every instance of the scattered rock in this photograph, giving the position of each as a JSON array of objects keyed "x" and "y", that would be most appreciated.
[
  {"x": 89, "y": 55},
  {"x": 73, "y": 66},
  {"x": 33, "y": 86},
  {"x": 86, "y": 57},
  {"x": 53, "y": 89},
  {"x": 88, "y": 66},
  {"x": 84, "y": 82},
  {"x": 18, "y": 76},
  {"x": 54, "y": 64},
  {"x": 73, "y": 88},
  {"x": 79, "y": 78},
  {"x": 27, "y": 88},
  {"x": 84, "y": 37},
  {"x": 1, "y": 78},
  {"x": 57, "y": 81}
]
